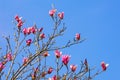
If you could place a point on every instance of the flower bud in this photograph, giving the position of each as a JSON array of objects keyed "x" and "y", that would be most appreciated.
[
  {"x": 28, "y": 42},
  {"x": 52, "y": 12},
  {"x": 73, "y": 68},
  {"x": 61, "y": 15},
  {"x": 104, "y": 66},
  {"x": 77, "y": 36},
  {"x": 58, "y": 53}
]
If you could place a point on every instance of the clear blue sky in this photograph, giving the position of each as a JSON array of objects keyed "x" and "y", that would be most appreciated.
[{"x": 96, "y": 20}]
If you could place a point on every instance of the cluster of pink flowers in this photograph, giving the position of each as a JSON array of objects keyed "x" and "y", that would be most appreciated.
[
  {"x": 58, "y": 54},
  {"x": 53, "y": 11},
  {"x": 19, "y": 21},
  {"x": 29, "y": 30},
  {"x": 65, "y": 58},
  {"x": 8, "y": 57}
]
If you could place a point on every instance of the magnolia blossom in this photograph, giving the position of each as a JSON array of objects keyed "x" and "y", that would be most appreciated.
[
  {"x": 104, "y": 66},
  {"x": 42, "y": 35},
  {"x": 29, "y": 30},
  {"x": 17, "y": 18},
  {"x": 61, "y": 15},
  {"x": 9, "y": 56},
  {"x": 52, "y": 12},
  {"x": 65, "y": 59},
  {"x": 33, "y": 30},
  {"x": 58, "y": 53},
  {"x": 25, "y": 31},
  {"x": 28, "y": 42},
  {"x": 20, "y": 23},
  {"x": 77, "y": 36},
  {"x": 50, "y": 70},
  {"x": 1, "y": 66},
  {"x": 46, "y": 54},
  {"x": 73, "y": 68}
]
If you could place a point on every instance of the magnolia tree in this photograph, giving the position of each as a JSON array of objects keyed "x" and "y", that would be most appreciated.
[{"x": 19, "y": 62}]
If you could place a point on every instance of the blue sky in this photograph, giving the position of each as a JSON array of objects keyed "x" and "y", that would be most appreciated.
[{"x": 97, "y": 20}]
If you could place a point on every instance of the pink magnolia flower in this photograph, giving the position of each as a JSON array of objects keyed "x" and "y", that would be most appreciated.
[
  {"x": 25, "y": 60},
  {"x": 50, "y": 70},
  {"x": 73, "y": 68},
  {"x": 77, "y": 36},
  {"x": 58, "y": 53},
  {"x": 52, "y": 12},
  {"x": 9, "y": 56},
  {"x": 61, "y": 15},
  {"x": 42, "y": 35},
  {"x": 46, "y": 54},
  {"x": 28, "y": 42},
  {"x": 20, "y": 23},
  {"x": 65, "y": 59},
  {"x": 33, "y": 30},
  {"x": 25, "y": 31},
  {"x": 104, "y": 66},
  {"x": 17, "y": 18},
  {"x": 28, "y": 30},
  {"x": 1, "y": 66}
]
